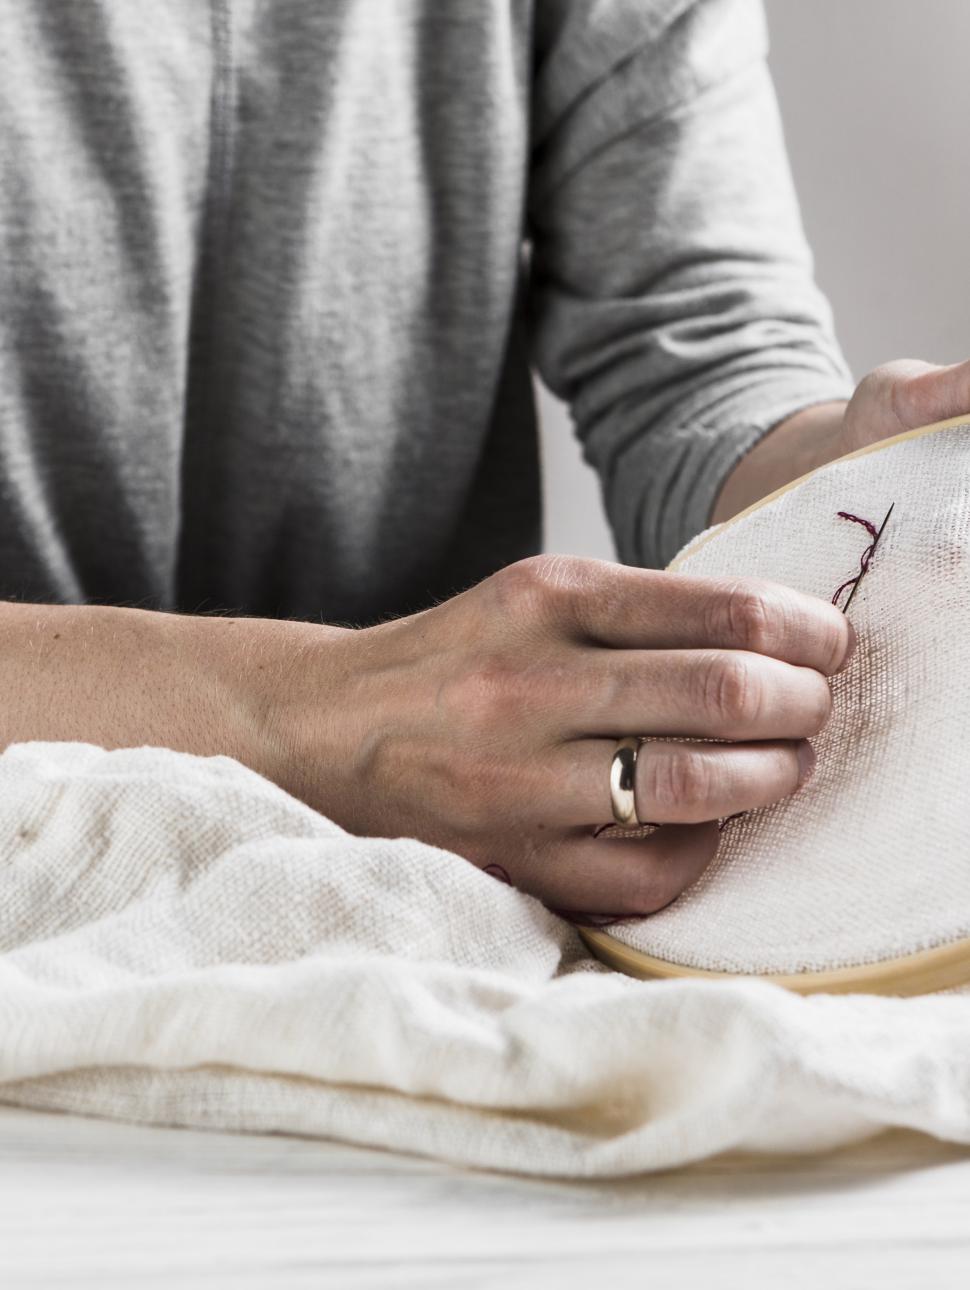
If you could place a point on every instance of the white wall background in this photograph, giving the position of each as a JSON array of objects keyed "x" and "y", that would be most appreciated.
[{"x": 875, "y": 96}]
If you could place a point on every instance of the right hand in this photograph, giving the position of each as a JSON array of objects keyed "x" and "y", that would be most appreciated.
[{"x": 486, "y": 725}]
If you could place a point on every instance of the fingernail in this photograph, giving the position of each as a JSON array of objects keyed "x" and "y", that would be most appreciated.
[
  {"x": 851, "y": 647},
  {"x": 806, "y": 761}
]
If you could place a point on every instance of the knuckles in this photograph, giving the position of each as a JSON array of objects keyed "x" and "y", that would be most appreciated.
[
  {"x": 747, "y": 616},
  {"x": 767, "y": 620},
  {"x": 731, "y": 692},
  {"x": 494, "y": 695},
  {"x": 535, "y": 586},
  {"x": 676, "y": 784},
  {"x": 740, "y": 692}
]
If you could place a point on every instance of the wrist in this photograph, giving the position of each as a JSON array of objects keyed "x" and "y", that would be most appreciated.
[
  {"x": 796, "y": 446},
  {"x": 306, "y": 709}
]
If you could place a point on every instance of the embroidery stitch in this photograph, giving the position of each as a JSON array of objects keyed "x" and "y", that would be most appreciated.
[{"x": 867, "y": 554}]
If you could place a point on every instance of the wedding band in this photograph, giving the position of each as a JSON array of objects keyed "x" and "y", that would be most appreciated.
[{"x": 622, "y": 771}]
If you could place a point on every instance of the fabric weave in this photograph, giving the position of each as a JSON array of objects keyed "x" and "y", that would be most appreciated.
[
  {"x": 182, "y": 943},
  {"x": 871, "y": 859}
]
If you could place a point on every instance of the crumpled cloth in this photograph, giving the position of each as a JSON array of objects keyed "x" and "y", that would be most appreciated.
[{"x": 183, "y": 943}]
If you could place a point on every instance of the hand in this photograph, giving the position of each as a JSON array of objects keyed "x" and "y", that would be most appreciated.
[
  {"x": 894, "y": 398},
  {"x": 903, "y": 396},
  {"x": 486, "y": 725}
]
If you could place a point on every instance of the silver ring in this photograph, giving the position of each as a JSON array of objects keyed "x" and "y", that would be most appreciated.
[{"x": 622, "y": 773}]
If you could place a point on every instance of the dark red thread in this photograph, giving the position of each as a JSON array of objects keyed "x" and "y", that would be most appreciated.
[
  {"x": 600, "y": 829},
  {"x": 867, "y": 554},
  {"x": 722, "y": 824},
  {"x": 868, "y": 525}
]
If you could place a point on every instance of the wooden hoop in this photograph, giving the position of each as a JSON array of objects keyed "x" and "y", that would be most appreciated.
[{"x": 944, "y": 967}]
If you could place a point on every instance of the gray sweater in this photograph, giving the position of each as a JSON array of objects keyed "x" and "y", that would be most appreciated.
[{"x": 273, "y": 274}]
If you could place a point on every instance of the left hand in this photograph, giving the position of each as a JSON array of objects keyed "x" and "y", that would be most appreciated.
[
  {"x": 903, "y": 396},
  {"x": 892, "y": 399}
]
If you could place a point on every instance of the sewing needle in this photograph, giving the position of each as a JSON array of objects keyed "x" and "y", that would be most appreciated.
[{"x": 872, "y": 552}]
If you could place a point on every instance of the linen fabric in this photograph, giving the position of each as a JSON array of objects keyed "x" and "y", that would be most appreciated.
[
  {"x": 183, "y": 943},
  {"x": 267, "y": 323},
  {"x": 870, "y": 861}
]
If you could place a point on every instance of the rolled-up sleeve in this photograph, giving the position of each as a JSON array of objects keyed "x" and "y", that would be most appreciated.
[{"x": 672, "y": 300}]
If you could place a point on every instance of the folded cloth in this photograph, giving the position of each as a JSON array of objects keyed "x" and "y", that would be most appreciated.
[{"x": 183, "y": 943}]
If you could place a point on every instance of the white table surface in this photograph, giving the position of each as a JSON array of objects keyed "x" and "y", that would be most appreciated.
[{"x": 97, "y": 1204}]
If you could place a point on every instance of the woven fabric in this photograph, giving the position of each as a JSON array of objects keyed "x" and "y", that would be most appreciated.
[
  {"x": 871, "y": 860},
  {"x": 183, "y": 943}
]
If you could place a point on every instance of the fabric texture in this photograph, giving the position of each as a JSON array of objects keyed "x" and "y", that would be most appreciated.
[
  {"x": 183, "y": 943},
  {"x": 870, "y": 861},
  {"x": 267, "y": 323}
]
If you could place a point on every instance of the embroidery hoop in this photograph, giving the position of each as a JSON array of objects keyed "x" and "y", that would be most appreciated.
[{"x": 942, "y": 967}]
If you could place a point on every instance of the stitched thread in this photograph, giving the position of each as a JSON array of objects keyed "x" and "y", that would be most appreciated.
[{"x": 867, "y": 554}]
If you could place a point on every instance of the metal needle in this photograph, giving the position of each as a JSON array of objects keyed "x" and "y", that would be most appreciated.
[{"x": 872, "y": 552}]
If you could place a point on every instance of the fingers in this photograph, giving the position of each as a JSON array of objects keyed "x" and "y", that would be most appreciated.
[
  {"x": 679, "y": 783},
  {"x": 690, "y": 783},
  {"x": 905, "y": 395},
  {"x": 611, "y": 604},
  {"x": 621, "y": 875},
  {"x": 705, "y": 694},
  {"x": 683, "y": 787},
  {"x": 934, "y": 395}
]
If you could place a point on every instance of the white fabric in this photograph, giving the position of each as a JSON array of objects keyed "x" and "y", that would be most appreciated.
[
  {"x": 871, "y": 860},
  {"x": 181, "y": 942}
]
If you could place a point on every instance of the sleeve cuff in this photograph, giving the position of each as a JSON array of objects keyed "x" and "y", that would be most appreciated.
[{"x": 705, "y": 453}]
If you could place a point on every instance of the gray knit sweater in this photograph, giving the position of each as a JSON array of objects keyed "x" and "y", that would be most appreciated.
[{"x": 273, "y": 274}]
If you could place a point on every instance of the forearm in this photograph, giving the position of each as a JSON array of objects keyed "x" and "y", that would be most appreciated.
[
  {"x": 126, "y": 677},
  {"x": 798, "y": 445}
]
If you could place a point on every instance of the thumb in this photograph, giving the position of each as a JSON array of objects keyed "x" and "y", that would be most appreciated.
[
  {"x": 922, "y": 393},
  {"x": 903, "y": 396}
]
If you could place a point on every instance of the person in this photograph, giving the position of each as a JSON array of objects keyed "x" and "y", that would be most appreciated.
[{"x": 273, "y": 277}]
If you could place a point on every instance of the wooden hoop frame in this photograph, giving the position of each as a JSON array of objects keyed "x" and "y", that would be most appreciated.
[{"x": 944, "y": 967}]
